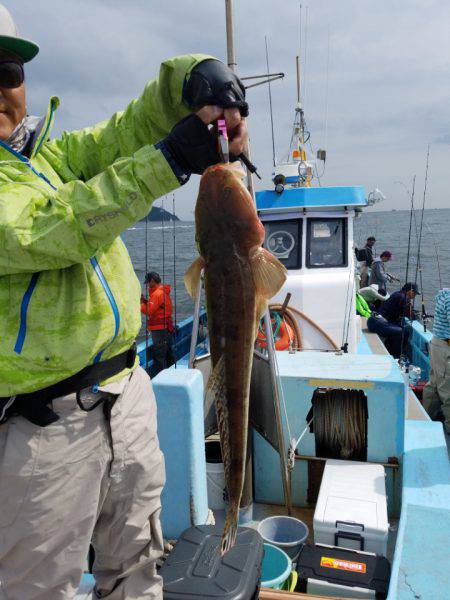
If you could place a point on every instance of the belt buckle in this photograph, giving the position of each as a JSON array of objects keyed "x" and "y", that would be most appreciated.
[{"x": 131, "y": 356}]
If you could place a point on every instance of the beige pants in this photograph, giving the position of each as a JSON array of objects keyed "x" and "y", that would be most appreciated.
[
  {"x": 81, "y": 479},
  {"x": 436, "y": 394}
]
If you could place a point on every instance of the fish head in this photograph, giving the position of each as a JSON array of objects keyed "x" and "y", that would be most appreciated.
[{"x": 226, "y": 210}]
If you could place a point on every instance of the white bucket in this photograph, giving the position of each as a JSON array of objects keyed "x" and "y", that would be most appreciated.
[{"x": 215, "y": 478}]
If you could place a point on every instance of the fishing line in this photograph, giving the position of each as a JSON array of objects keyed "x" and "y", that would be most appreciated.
[
  {"x": 326, "y": 92},
  {"x": 174, "y": 278},
  {"x": 163, "y": 267},
  {"x": 422, "y": 213},
  {"x": 436, "y": 251},
  {"x": 270, "y": 103},
  {"x": 410, "y": 228}
]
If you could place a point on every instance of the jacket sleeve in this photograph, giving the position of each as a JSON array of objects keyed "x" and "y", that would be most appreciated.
[
  {"x": 380, "y": 274},
  {"x": 156, "y": 301},
  {"x": 85, "y": 153},
  {"x": 42, "y": 229}
]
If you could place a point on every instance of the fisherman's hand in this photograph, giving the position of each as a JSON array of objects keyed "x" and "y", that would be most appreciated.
[
  {"x": 213, "y": 83},
  {"x": 236, "y": 127},
  {"x": 193, "y": 147}
]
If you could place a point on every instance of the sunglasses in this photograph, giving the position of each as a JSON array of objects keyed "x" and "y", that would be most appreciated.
[{"x": 12, "y": 74}]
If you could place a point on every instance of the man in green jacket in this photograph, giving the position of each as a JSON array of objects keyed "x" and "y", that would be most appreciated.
[{"x": 79, "y": 454}]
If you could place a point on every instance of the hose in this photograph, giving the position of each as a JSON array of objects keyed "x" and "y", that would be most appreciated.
[{"x": 289, "y": 313}]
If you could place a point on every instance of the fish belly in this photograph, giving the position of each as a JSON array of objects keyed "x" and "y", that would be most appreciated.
[{"x": 231, "y": 309}]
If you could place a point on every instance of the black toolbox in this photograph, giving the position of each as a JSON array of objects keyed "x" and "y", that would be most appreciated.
[
  {"x": 194, "y": 570},
  {"x": 332, "y": 571}
]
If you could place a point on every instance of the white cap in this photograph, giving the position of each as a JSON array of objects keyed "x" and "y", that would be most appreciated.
[{"x": 10, "y": 40}]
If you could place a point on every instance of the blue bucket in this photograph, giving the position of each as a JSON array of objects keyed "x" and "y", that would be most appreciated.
[
  {"x": 287, "y": 533},
  {"x": 276, "y": 567}
]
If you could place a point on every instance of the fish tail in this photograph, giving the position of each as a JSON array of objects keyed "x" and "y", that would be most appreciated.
[{"x": 230, "y": 529}]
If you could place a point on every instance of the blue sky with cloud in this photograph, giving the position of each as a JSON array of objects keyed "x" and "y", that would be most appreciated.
[{"x": 389, "y": 84}]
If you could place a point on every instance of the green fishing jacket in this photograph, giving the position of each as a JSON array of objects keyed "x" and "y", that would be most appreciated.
[{"x": 68, "y": 293}]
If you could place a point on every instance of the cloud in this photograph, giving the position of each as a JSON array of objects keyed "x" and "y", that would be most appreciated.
[
  {"x": 388, "y": 92},
  {"x": 443, "y": 139}
]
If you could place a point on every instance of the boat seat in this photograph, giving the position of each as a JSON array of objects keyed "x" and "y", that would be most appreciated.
[{"x": 374, "y": 341}]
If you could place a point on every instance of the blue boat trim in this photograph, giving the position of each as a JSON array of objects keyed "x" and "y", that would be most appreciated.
[
  {"x": 311, "y": 197},
  {"x": 112, "y": 302},
  {"x": 23, "y": 313}
]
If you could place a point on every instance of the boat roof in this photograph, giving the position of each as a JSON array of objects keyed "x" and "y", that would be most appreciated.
[{"x": 313, "y": 197}]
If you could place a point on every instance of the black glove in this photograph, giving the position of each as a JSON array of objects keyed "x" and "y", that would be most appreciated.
[
  {"x": 191, "y": 146},
  {"x": 212, "y": 82}
]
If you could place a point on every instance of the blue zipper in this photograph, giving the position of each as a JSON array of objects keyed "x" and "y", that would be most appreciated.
[
  {"x": 34, "y": 278},
  {"x": 23, "y": 313},
  {"x": 112, "y": 302},
  {"x": 26, "y": 161}
]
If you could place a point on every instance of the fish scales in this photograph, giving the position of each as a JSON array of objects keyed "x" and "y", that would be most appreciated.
[{"x": 239, "y": 276}]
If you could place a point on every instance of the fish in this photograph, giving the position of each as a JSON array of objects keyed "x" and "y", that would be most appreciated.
[{"x": 239, "y": 277}]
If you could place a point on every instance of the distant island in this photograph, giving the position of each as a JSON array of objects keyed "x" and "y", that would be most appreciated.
[{"x": 159, "y": 214}]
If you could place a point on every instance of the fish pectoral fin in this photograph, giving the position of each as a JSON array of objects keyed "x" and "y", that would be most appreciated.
[
  {"x": 268, "y": 273},
  {"x": 192, "y": 276}
]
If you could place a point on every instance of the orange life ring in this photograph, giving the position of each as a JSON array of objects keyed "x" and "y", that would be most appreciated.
[{"x": 283, "y": 337}]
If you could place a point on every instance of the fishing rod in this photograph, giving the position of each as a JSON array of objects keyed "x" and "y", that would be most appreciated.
[{"x": 419, "y": 244}]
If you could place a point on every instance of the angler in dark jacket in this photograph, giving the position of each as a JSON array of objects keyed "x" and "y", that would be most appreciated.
[{"x": 388, "y": 322}]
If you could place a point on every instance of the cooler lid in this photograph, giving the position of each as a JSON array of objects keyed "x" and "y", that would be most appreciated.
[
  {"x": 352, "y": 492},
  {"x": 195, "y": 570}
]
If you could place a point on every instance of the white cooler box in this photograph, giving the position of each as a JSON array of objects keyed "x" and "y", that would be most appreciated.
[{"x": 351, "y": 510}]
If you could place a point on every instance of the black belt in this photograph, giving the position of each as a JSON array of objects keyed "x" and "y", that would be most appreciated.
[{"x": 33, "y": 406}]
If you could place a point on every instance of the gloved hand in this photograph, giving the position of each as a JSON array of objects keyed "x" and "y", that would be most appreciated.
[
  {"x": 191, "y": 145},
  {"x": 211, "y": 82}
]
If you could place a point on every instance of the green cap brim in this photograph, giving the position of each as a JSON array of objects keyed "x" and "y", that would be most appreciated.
[{"x": 23, "y": 48}]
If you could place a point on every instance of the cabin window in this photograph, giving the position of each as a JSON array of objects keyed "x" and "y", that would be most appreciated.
[
  {"x": 327, "y": 243},
  {"x": 284, "y": 240}
]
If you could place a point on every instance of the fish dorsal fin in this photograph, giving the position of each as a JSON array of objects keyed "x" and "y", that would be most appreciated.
[
  {"x": 268, "y": 273},
  {"x": 192, "y": 276}
]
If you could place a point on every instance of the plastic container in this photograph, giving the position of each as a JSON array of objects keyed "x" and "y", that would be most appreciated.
[
  {"x": 194, "y": 570},
  {"x": 414, "y": 374},
  {"x": 276, "y": 567},
  {"x": 351, "y": 510},
  {"x": 286, "y": 533},
  {"x": 215, "y": 478},
  {"x": 333, "y": 572}
]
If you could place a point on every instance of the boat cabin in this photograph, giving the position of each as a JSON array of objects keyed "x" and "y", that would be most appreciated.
[{"x": 310, "y": 230}]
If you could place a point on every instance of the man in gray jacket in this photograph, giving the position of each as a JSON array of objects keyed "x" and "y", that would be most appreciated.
[{"x": 379, "y": 275}]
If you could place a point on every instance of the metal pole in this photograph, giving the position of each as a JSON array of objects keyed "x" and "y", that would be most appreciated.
[
  {"x": 231, "y": 58},
  {"x": 195, "y": 323},
  {"x": 297, "y": 62},
  {"x": 276, "y": 396}
]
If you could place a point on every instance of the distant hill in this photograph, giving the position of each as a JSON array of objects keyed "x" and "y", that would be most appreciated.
[{"x": 159, "y": 214}]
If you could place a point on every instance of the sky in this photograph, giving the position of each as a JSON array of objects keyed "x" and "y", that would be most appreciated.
[{"x": 388, "y": 77}]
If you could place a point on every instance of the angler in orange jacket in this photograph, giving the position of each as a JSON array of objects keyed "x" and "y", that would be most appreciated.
[{"x": 158, "y": 309}]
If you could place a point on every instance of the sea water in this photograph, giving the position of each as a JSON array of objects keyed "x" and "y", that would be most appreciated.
[{"x": 391, "y": 229}]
